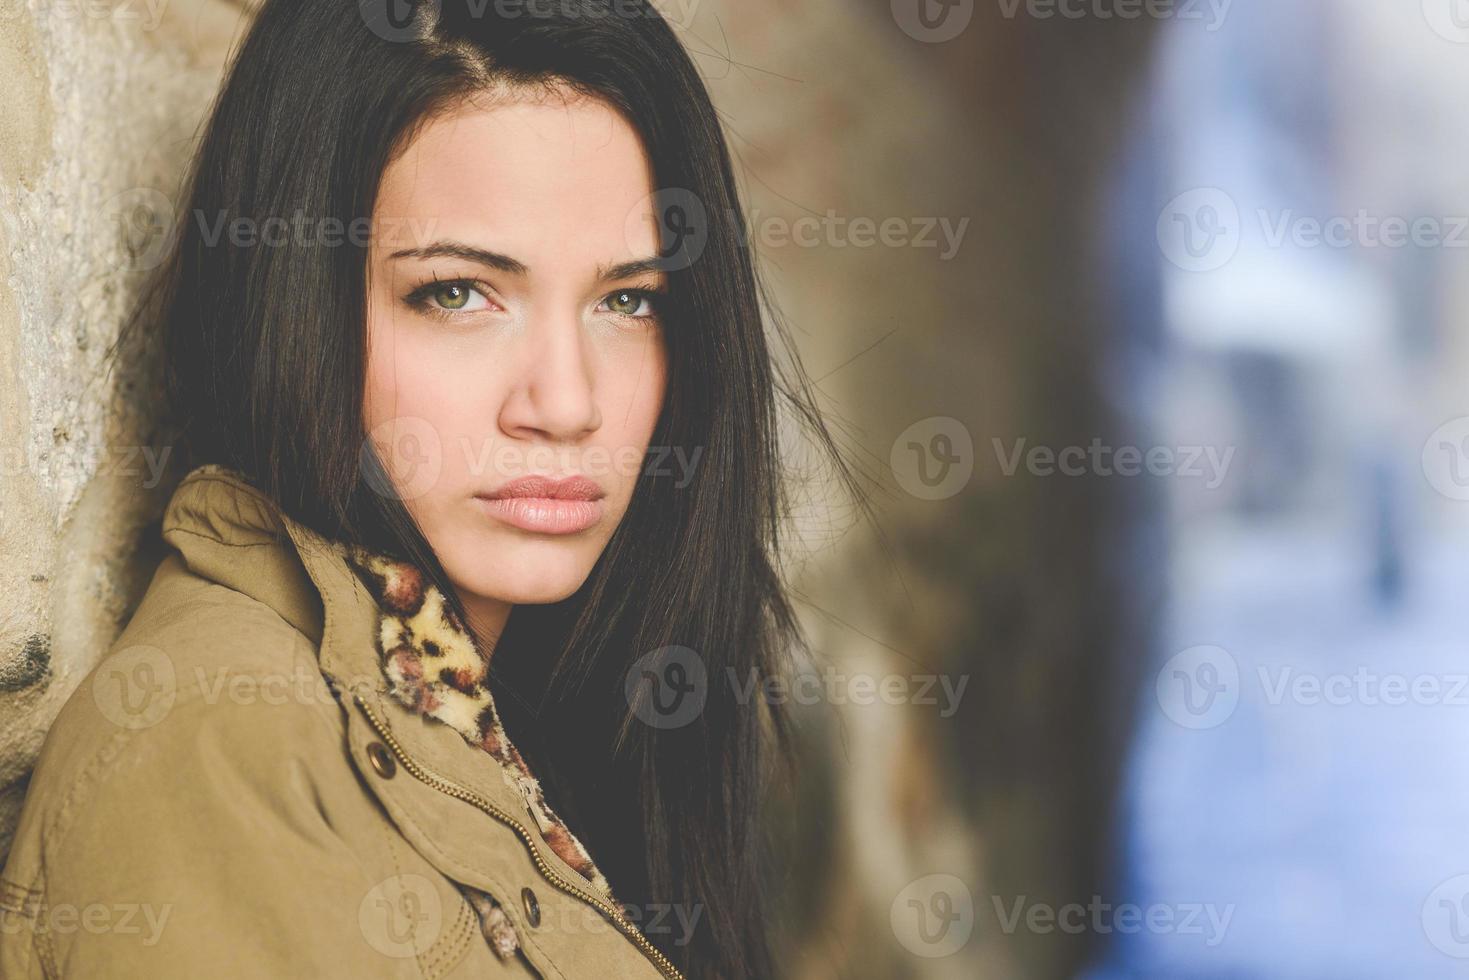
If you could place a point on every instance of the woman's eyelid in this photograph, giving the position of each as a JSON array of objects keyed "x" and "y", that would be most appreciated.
[{"x": 654, "y": 293}]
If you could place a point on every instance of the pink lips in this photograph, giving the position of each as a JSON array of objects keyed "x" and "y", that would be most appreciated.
[{"x": 546, "y": 506}]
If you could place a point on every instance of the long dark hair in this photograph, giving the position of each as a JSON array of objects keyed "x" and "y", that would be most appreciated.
[{"x": 265, "y": 362}]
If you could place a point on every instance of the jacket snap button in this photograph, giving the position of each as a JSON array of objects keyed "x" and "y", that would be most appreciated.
[
  {"x": 532, "y": 907},
  {"x": 382, "y": 760}
]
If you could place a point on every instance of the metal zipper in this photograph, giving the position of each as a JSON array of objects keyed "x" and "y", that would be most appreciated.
[{"x": 609, "y": 912}]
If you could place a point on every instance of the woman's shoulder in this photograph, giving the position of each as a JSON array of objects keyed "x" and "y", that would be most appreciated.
[
  {"x": 198, "y": 772},
  {"x": 202, "y": 677}
]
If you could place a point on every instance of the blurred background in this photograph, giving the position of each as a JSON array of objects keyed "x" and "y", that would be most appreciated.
[{"x": 1143, "y": 319}]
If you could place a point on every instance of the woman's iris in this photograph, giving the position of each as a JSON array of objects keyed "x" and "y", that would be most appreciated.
[
  {"x": 625, "y": 302},
  {"x": 452, "y": 296}
]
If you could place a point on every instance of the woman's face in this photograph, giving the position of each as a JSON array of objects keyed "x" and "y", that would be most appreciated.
[{"x": 513, "y": 333}]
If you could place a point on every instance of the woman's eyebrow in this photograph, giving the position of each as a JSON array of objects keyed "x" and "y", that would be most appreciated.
[
  {"x": 636, "y": 267},
  {"x": 470, "y": 253},
  {"x": 497, "y": 260}
]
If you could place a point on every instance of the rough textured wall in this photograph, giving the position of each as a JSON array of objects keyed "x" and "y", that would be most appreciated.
[{"x": 101, "y": 104}]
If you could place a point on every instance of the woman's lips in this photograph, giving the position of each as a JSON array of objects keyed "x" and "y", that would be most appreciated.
[
  {"x": 546, "y": 506},
  {"x": 545, "y": 515}
]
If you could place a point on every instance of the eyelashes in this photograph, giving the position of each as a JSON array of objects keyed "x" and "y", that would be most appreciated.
[{"x": 452, "y": 298}]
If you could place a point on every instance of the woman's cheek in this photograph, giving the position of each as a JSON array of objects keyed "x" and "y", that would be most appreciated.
[{"x": 641, "y": 382}]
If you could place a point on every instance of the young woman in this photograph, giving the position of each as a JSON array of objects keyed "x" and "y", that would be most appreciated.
[{"x": 449, "y": 671}]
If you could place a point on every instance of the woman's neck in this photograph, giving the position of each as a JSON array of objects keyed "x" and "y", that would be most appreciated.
[{"x": 487, "y": 618}]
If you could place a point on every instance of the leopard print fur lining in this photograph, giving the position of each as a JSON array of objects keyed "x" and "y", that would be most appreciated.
[
  {"x": 493, "y": 923},
  {"x": 435, "y": 667}
]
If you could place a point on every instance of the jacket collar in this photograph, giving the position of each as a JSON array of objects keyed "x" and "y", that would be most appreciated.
[
  {"x": 382, "y": 631},
  {"x": 436, "y": 668},
  {"x": 228, "y": 532}
]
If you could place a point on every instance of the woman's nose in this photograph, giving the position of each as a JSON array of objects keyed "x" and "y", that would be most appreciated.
[{"x": 553, "y": 396}]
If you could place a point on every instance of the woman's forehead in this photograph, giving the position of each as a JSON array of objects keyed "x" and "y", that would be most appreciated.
[{"x": 528, "y": 177}]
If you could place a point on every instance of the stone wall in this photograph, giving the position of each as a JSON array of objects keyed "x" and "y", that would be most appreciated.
[{"x": 102, "y": 99}]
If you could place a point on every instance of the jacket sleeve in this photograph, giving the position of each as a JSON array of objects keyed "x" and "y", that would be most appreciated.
[{"x": 205, "y": 846}]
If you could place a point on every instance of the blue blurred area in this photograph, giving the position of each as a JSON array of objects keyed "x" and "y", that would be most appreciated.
[
  {"x": 1320, "y": 824},
  {"x": 1300, "y": 763}
]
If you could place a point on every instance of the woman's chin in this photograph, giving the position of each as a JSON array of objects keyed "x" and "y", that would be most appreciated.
[{"x": 529, "y": 583}]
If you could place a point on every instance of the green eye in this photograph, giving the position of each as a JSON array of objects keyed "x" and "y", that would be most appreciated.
[
  {"x": 452, "y": 296},
  {"x": 442, "y": 296},
  {"x": 629, "y": 302}
]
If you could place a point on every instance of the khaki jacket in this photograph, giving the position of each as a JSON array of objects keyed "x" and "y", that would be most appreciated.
[{"x": 232, "y": 792}]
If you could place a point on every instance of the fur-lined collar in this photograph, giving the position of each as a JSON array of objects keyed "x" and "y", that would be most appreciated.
[{"x": 435, "y": 667}]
